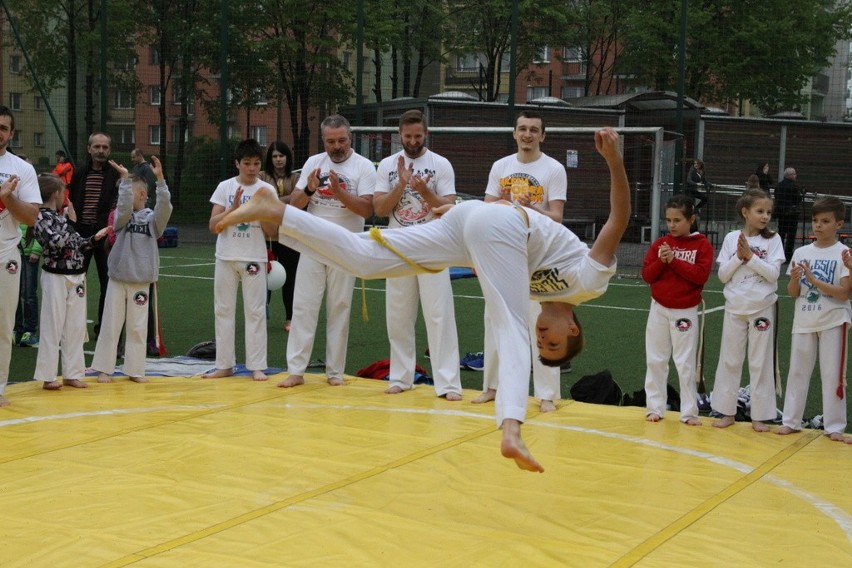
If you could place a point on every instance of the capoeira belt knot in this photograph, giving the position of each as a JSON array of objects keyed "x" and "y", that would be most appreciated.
[{"x": 376, "y": 235}]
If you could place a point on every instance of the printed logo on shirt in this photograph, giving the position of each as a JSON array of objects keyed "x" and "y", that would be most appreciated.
[
  {"x": 683, "y": 324},
  {"x": 80, "y": 290},
  {"x": 520, "y": 185},
  {"x": 412, "y": 209},
  {"x": 140, "y": 298},
  {"x": 761, "y": 253},
  {"x": 547, "y": 280},
  {"x": 325, "y": 197},
  {"x": 762, "y": 324},
  {"x": 252, "y": 268},
  {"x": 686, "y": 255},
  {"x": 12, "y": 267},
  {"x": 139, "y": 228}
]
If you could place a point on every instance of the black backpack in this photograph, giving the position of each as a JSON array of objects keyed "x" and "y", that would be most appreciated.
[
  {"x": 599, "y": 388},
  {"x": 203, "y": 350}
]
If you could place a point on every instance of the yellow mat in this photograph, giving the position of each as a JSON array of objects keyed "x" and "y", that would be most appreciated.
[{"x": 231, "y": 472}]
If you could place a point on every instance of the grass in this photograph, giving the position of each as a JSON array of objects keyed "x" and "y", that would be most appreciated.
[{"x": 614, "y": 326}]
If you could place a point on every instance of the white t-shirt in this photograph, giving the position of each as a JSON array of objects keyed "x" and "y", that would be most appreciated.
[
  {"x": 814, "y": 310},
  {"x": 559, "y": 263},
  {"x": 412, "y": 209},
  {"x": 357, "y": 176},
  {"x": 544, "y": 180},
  {"x": 751, "y": 287},
  {"x": 244, "y": 241},
  {"x": 27, "y": 191}
]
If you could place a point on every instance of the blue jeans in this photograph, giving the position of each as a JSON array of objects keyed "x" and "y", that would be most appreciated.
[{"x": 26, "y": 317}]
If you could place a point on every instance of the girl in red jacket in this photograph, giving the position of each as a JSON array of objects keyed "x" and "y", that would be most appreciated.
[{"x": 676, "y": 266}]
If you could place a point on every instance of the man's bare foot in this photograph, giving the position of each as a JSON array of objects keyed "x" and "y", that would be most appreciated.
[
  {"x": 837, "y": 437},
  {"x": 52, "y": 385},
  {"x": 485, "y": 396},
  {"x": 263, "y": 206},
  {"x": 335, "y": 381},
  {"x": 259, "y": 376},
  {"x": 104, "y": 378},
  {"x": 513, "y": 447},
  {"x": 139, "y": 380},
  {"x": 292, "y": 381},
  {"x": 452, "y": 396},
  {"x": 759, "y": 426},
  {"x": 692, "y": 421},
  {"x": 218, "y": 374},
  {"x": 651, "y": 417},
  {"x": 547, "y": 406},
  {"x": 724, "y": 421},
  {"x": 784, "y": 430},
  {"x": 4, "y": 401},
  {"x": 76, "y": 383},
  {"x": 396, "y": 389}
]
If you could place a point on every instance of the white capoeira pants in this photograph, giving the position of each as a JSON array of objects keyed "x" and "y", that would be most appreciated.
[
  {"x": 671, "y": 333},
  {"x": 228, "y": 276},
  {"x": 10, "y": 287},
  {"x": 315, "y": 279},
  {"x": 546, "y": 379},
  {"x": 435, "y": 293},
  {"x": 126, "y": 304},
  {"x": 755, "y": 332},
  {"x": 491, "y": 238},
  {"x": 831, "y": 345},
  {"x": 62, "y": 323}
]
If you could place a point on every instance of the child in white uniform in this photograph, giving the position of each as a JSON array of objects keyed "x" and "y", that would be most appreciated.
[
  {"x": 134, "y": 264},
  {"x": 749, "y": 264},
  {"x": 819, "y": 281},
  {"x": 240, "y": 260},
  {"x": 676, "y": 266},
  {"x": 518, "y": 254},
  {"x": 63, "y": 290}
]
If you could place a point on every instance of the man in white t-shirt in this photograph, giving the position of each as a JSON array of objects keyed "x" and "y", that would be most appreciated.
[
  {"x": 518, "y": 253},
  {"x": 533, "y": 179},
  {"x": 409, "y": 184},
  {"x": 347, "y": 203},
  {"x": 19, "y": 201}
]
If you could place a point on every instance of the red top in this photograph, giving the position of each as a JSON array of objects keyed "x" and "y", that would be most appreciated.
[
  {"x": 64, "y": 171},
  {"x": 679, "y": 284}
]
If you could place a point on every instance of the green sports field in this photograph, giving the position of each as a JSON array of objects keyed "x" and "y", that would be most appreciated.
[{"x": 614, "y": 325}]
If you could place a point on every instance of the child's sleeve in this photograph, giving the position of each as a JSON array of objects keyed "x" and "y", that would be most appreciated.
[
  {"x": 653, "y": 267},
  {"x": 727, "y": 259},
  {"x": 162, "y": 209},
  {"x": 770, "y": 268},
  {"x": 124, "y": 207}
]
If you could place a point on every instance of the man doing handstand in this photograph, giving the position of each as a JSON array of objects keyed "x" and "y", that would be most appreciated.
[{"x": 517, "y": 253}]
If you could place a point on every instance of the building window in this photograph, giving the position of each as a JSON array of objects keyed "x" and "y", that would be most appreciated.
[
  {"x": 38, "y": 139},
  {"x": 573, "y": 92},
  {"x": 176, "y": 133},
  {"x": 543, "y": 55},
  {"x": 15, "y": 101},
  {"x": 154, "y": 56},
  {"x": 467, "y": 62},
  {"x": 38, "y": 103},
  {"x": 154, "y": 94},
  {"x": 15, "y": 64},
  {"x": 122, "y": 99},
  {"x": 259, "y": 97},
  {"x": 537, "y": 92},
  {"x": 233, "y": 133},
  {"x": 572, "y": 54},
  {"x": 124, "y": 135},
  {"x": 259, "y": 134},
  {"x": 154, "y": 137},
  {"x": 15, "y": 142}
]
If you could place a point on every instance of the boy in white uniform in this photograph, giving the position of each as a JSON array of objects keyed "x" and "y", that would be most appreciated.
[
  {"x": 19, "y": 201},
  {"x": 347, "y": 204},
  {"x": 533, "y": 179},
  {"x": 409, "y": 184},
  {"x": 240, "y": 260},
  {"x": 134, "y": 264},
  {"x": 819, "y": 281},
  {"x": 518, "y": 254}
]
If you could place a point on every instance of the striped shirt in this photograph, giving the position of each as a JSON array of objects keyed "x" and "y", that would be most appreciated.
[{"x": 91, "y": 197}]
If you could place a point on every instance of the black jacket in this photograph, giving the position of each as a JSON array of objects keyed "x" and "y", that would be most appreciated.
[
  {"x": 109, "y": 192},
  {"x": 788, "y": 196}
]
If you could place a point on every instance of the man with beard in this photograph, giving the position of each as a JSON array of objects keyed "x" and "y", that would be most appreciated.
[
  {"x": 347, "y": 203},
  {"x": 409, "y": 185},
  {"x": 19, "y": 201},
  {"x": 93, "y": 193}
]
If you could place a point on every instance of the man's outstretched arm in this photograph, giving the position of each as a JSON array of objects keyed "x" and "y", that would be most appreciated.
[{"x": 604, "y": 247}]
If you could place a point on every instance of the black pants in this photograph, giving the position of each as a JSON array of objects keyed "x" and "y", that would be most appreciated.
[
  {"x": 100, "y": 254},
  {"x": 788, "y": 223}
]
